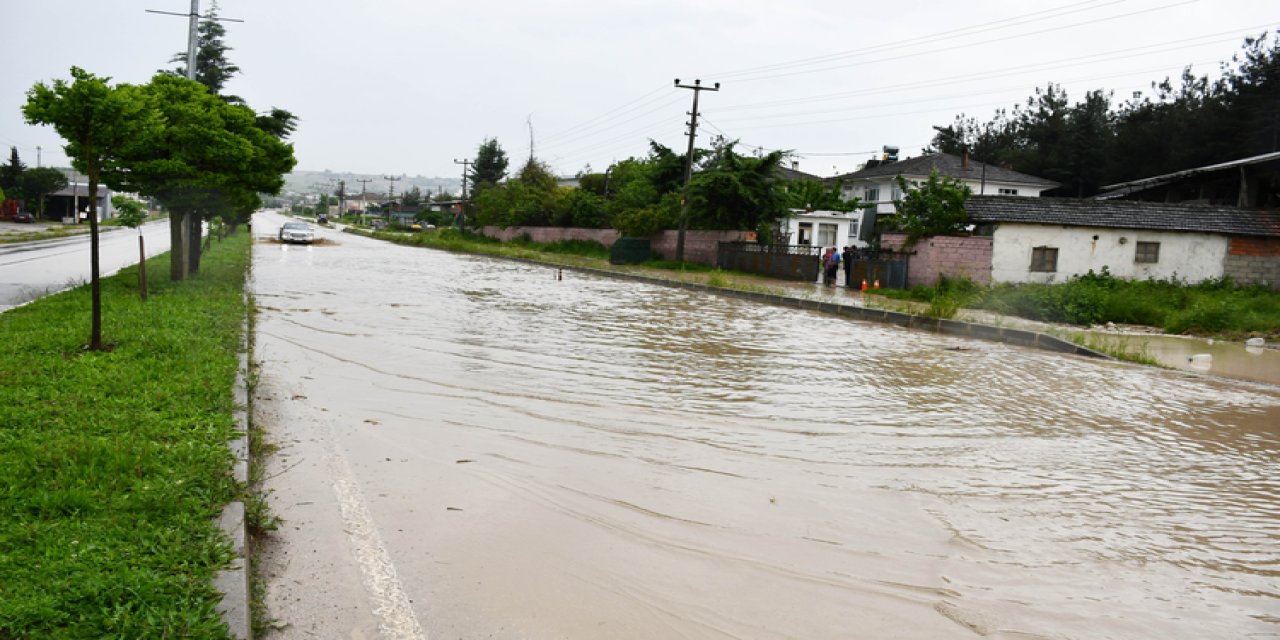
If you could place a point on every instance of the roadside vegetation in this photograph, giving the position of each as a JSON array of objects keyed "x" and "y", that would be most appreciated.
[
  {"x": 1215, "y": 308},
  {"x": 114, "y": 463}
]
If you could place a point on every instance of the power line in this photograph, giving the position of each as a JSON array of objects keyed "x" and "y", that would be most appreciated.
[
  {"x": 934, "y": 37},
  {"x": 983, "y": 75},
  {"x": 697, "y": 89}
]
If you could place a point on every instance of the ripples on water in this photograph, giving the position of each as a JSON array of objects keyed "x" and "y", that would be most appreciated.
[{"x": 1074, "y": 480}]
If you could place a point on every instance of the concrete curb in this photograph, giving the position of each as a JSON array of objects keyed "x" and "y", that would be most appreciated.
[
  {"x": 990, "y": 333},
  {"x": 233, "y": 581}
]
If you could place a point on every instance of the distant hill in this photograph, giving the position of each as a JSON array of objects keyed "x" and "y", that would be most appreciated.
[{"x": 310, "y": 182}]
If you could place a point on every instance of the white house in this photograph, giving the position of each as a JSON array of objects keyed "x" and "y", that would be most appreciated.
[
  {"x": 876, "y": 182},
  {"x": 823, "y": 228},
  {"x": 1052, "y": 239}
]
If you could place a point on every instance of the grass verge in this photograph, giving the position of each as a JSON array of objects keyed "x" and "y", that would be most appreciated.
[{"x": 115, "y": 464}]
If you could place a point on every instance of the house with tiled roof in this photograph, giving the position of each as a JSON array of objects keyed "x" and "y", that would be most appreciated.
[
  {"x": 1053, "y": 239},
  {"x": 877, "y": 182}
]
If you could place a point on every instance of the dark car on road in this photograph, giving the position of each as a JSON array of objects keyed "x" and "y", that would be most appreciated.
[{"x": 24, "y": 217}]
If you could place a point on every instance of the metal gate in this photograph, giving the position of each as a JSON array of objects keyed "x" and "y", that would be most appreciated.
[{"x": 785, "y": 261}]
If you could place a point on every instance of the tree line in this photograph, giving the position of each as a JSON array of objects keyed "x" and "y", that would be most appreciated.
[
  {"x": 1090, "y": 143},
  {"x": 203, "y": 156},
  {"x": 643, "y": 195}
]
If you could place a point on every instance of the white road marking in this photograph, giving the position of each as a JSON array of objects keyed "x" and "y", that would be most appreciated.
[{"x": 391, "y": 605}]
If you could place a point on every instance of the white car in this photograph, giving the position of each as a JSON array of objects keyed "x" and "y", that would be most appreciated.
[{"x": 297, "y": 232}]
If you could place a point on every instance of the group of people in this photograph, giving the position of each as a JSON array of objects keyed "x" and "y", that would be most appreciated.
[{"x": 831, "y": 262}]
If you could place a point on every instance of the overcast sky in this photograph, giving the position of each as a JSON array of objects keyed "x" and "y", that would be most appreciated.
[{"x": 407, "y": 87}]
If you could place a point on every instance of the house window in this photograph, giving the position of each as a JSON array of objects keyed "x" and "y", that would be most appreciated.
[
  {"x": 1008, "y": 192},
  {"x": 1147, "y": 252},
  {"x": 1044, "y": 259},
  {"x": 872, "y": 194},
  {"x": 853, "y": 230},
  {"x": 827, "y": 234}
]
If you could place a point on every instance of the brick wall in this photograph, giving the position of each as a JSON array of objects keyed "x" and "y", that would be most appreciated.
[
  {"x": 1253, "y": 261},
  {"x": 605, "y": 237},
  {"x": 952, "y": 256},
  {"x": 699, "y": 246}
]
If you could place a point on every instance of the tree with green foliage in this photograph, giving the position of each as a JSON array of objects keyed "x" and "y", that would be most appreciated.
[
  {"x": 213, "y": 70},
  {"x": 11, "y": 175},
  {"x": 101, "y": 124},
  {"x": 734, "y": 191},
  {"x": 132, "y": 214},
  {"x": 221, "y": 176},
  {"x": 39, "y": 182},
  {"x": 814, "y": 195},
  {"x": 1193, "y": 122},
  {"x": 490, "y": 166},
  {"x": 932, "y": 208}
]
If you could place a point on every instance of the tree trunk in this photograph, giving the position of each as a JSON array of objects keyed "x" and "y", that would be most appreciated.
[
  {"x": 95, "y": 282},
  {"x": 193, "y": 237},
  {"x": 177, "y": 245},
  {"x": 142, "y": 265}
]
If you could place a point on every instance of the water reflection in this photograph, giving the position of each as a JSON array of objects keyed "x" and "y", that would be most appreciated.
[{"x": 711, "y": 442}]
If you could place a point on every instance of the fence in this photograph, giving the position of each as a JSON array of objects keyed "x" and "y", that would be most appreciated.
[
  {"x": 786, "y": 261},
  {"x": 889, "y": 267}
]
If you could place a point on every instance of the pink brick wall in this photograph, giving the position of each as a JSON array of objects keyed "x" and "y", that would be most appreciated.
[
  {"x": 699, "y": 246},
  {"x": 952, "y": 256},
  {"x": 605, "y": 237}
]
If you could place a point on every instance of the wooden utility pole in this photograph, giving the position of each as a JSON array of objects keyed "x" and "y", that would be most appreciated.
[
  {"x": 462, "y": 208},
  {"x": 391, "y": 191},
  {"x": 364, "y": 208},
  {"x": 688, "y": 161}
]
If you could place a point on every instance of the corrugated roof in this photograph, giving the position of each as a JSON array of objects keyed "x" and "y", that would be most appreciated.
[
  {"x": 948, "y": 166},
  {"x": 1144, "y": 183},
  {"x": 1125, "y": 214}
]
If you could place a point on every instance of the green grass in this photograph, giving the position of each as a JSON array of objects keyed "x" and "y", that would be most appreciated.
[
  {"x": 1215, "y": 308},
  {"x": 114, "y": 464}
]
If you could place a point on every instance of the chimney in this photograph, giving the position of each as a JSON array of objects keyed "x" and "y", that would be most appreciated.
[
  {"x": 795, "y": 165},
  {"x": 964, "y": 160}
]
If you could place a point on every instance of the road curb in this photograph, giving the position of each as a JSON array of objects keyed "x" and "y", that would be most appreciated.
[{"x": 233, "y": 581}]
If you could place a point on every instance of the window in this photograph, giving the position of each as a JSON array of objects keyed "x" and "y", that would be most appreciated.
[
  {"x": 1008, "y": 192},
  {"x": 853, "y": 230},
  {"x": 803, "y": 233},
  {"x": 1147, "y": 252},
  {"x": 1044, "y": 259},
  {"x": 827, "y": 234},
  {"x": 872, "y": 194}
]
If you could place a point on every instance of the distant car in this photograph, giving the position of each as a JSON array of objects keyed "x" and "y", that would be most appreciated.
[
  {"x": 24, "y": 217},
  {"x": 298, "y": 232},
  {"x": 415, "y": 227}
]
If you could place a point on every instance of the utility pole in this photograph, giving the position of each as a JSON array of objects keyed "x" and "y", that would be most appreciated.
[
  {"x": 392, "y": 195},
  {"x": 462, "y": 209},
  {"x": 688, "y": 161},
  {"x": 364, "y": 208},
  {"x": 342, "y": 198},
  {"x": 193, "y": 32}
]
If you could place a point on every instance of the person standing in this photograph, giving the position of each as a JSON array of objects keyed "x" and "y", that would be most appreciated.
[
  {"x": 833, "y": 266},
  {"x": 847, "y": 260}
]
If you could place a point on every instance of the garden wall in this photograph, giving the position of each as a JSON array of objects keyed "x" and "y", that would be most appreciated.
[
  {"x": 951, "y": 256},
  {"x": 1253, "y": 261},
  {"x": 699, "y": 246}
]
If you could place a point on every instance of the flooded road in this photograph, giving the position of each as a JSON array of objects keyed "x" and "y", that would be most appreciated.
[{"x": 472, "y": 448}]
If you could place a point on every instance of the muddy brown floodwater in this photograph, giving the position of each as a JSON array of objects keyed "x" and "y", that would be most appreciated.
[{"x": 471, "y": 448}]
